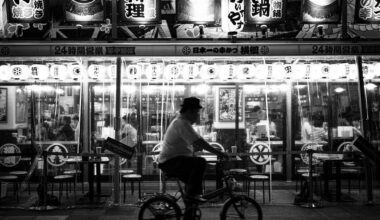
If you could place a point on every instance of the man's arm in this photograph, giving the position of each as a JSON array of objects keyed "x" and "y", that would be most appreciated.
[{"x": 201, "y": 143}]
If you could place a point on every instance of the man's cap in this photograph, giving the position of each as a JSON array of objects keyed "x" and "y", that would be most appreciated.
[{"x": 191, "y": 103}]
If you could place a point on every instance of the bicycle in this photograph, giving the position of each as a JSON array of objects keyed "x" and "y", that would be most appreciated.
[{"x": 165, "y": 206}]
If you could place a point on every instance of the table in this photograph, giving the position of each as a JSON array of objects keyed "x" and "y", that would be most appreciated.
[
  {"x": 328, "y": 161},
  {"x": 91, "y": 161}
]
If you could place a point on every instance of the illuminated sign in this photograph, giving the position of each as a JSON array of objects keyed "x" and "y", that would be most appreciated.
[
  {"x": 87, "y": 11},
  {"x": 321, "y": 11},
  {"x": 196, "y": 11},
  {"x": 28, "y": 11},
  {"x": 233, "y": 15},
  {"x": 265, "y": 11},
  {"x": 140, "y": 11},
  {"x": 10, "y": 161},
  {"x": 367, "y": 11}
]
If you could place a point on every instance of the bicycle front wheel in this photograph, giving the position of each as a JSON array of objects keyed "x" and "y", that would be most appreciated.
[
  {"x": 160, "y": 207},
  {"x": 241, "y": 207}
]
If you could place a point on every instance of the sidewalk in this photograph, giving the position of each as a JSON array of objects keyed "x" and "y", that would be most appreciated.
[
  {"x": 342, "y": 212},
  {"x": 281, "y": 207}
]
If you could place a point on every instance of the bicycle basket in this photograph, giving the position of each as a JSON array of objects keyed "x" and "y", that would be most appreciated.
[{"x": 119, "y": 148}]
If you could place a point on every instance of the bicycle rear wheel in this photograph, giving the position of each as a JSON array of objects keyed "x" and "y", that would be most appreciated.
[
  {"x": 241, "y": 207},
  {"x": 160, "y": 207}
]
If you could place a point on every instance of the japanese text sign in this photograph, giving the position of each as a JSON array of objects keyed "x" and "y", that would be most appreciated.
[
  {"x": 140, "y": 11},
  {"x": 367, "y": 11},
  {"x": 233, "y": 15},
  {"x": 28, "y": 11},
  {"x": 265, "y": 11}
]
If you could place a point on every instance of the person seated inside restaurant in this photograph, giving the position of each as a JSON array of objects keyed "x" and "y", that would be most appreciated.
[
  {"x": 66, "y": 132},
  {"x": 259, "y": 126},
  {"x": 315, "y": 130},
  {"x": 75, "y": 126},
  {"x": 128, "y": 131}
]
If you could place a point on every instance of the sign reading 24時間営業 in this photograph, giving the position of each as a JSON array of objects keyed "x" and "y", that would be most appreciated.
[{"x": 28, "y": 11}]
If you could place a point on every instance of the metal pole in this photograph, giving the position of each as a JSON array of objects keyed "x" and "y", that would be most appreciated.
[
  {"x": 116, "y": 177},
  {"x": 289, "y": 137},
  {"x": 237, "y": 115},
  {"x": 365, "y": 125}
]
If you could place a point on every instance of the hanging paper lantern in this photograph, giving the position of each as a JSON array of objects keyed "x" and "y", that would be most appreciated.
[
  {"x": 153, "y": 71},
  {"x": 325, "y": 71},
  {"x": 261, "y": 71},
  {"x": 39, "y": 71},
  {"x": 352, "y": 72},
  {"x": 5, "y": 72},
  {"x": 227, "y": 72},
  {"x": 246, "y": 71},
  {"x": 58, "y": 72},
  {"x": 298, "y": 71},
  {"x": 75, "y": 71},
  {"x": 19, "y": 72},
  {"x": 376, "y": 69},
  {"x": 172, "y": 71},
  {"x": 288, "y": 71},
  {"x": 111, "y": 71},
  {"x": 96, "y": 71},
  {"x": 209, "y": 71},
  {"x": 307, "y": 72},
  {"x": 337, "y": 71},
  {"x": 232, "y": 16},
  {"x": 278, "y": 71},
  {"x": 134, "y": 72},
  {"x": 190, "y": 71}
]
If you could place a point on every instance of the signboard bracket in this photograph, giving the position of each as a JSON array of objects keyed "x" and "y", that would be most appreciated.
[{"x": 153, "y": 30}]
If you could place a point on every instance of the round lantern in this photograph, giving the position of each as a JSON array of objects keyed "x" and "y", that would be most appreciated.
[
  {"x": 227, "y": 72},
  {"x": 172, "y": 71},
  {"x": 5, "y": 72},
  {"x": 111, "y": 71},
  {"x": 39, "y": 71},
  {"x": 261, "y": 71},
  {"x": 96, "y": 71},
  {"x": 75, "y": 71},
  {"x": 19, "y": 72},
  {"x": 153, "y": 71},
  {"x": 209, "y": 71},
  {"x": 190, "y": 71},
  {"x": 298, "y": 71},
  {"x": 245, "y": 71},
  {"x": 133, "y": 72},
  {"x": 58, "y": 72},
  {"x": 278, "y": 71}
]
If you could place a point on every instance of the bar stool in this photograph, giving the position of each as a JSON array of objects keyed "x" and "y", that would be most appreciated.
[
  {"x": 11, "y": 179},
  {"x": 260, "y": 160},
  {"x": 61, "y": 179},
  {"x": 132, "y": 178},
  {"x": 20, "y": 174},
  {"x": 75, "y": 173}
]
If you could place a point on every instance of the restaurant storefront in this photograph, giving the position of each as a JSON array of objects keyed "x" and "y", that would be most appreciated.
[
  {"x": 75, "y": 73},
  {"x": 71, "y": 104}
]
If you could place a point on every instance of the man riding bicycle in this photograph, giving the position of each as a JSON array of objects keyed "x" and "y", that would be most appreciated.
[{"x": 180, "y": 142}]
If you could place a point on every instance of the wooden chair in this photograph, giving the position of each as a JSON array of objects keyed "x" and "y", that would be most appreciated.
[{"x": 131, "y": 178}]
